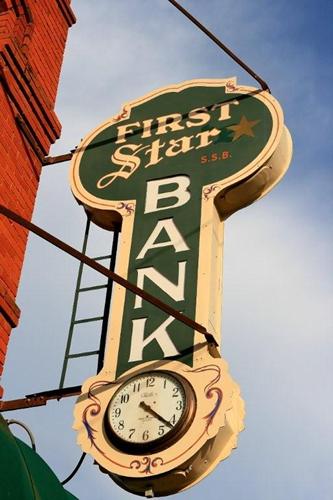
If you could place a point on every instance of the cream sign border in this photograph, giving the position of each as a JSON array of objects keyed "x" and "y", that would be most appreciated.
[
  {"x": 182, "y": 464},
  {"x": 210, "y": 219}
]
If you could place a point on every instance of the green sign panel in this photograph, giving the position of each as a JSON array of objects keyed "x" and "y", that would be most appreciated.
[{"x": 154, "y": 169}]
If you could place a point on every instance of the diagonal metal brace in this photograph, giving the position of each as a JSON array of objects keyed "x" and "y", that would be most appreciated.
[
  {"x": 222, "y": 46},
  {"x": 108, "y": 273},
  {"x": 39, "y": 398}
]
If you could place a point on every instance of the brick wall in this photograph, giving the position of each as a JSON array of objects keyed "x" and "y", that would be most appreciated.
[{"x": 32, "y": 40}]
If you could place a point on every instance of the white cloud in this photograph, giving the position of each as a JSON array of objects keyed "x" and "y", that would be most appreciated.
[{"x": 277, "y": 316}]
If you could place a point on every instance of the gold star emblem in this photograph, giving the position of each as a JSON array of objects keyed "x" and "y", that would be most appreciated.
[{"x": 244, "y": 127}]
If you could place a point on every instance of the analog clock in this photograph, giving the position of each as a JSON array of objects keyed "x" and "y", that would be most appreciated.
[{"x": 150, "y": 411}]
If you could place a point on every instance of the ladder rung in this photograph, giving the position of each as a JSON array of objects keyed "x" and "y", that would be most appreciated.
[
  {"x": 103, "y": 257},
  {"x": 88, "y": 288},
  {"x": 82, "y": 354},
  {"x": 88, "y": 320}
]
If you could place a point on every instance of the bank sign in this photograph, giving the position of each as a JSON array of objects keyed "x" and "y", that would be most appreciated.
[{"x": 167, "y": 172}]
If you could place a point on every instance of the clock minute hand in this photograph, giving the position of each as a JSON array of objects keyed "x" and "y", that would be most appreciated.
[{"x": 149, "y": 409}]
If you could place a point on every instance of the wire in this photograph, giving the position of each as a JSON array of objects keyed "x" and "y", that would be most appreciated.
[
  {"x": 33, "y": 446},
  {"x": 222, "y": 46},
  {"x": 51, "y": 160},
  {"x": 26, "y": 428},
  {"x": 72, "y": 474}
]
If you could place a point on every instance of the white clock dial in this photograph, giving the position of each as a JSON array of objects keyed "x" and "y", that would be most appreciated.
[{"x": 148, "y": 409}]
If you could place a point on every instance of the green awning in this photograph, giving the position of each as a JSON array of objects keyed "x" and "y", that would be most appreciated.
[{"x": 23, "y": 473}]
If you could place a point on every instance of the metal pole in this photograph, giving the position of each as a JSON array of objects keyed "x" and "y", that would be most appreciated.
[
  {"x": 74, "y": 308},
  {"x": 107, "y": 305},
  {"x": 222, "y": 46},
  {"x": 109, "y": 274}
]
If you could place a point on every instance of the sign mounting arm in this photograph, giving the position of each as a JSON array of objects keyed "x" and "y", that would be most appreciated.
[
  {"x": 222, "y": 46},
  {"x": 106, "y": 272}
]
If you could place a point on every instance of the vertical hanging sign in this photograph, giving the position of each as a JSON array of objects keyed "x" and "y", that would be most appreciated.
[{"x": 168, "y": 171}]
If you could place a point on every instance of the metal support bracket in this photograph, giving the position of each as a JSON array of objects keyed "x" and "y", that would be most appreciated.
[
  {"x": 39, "y": 398},
  {"x": 108, "y": 273},
  {"x": 222, "y": 46}
]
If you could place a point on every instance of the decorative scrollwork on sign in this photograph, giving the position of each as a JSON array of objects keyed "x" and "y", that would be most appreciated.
[
  {"x": 210, "y": 394},
  {"x": 210, "y": 391},
  {"x": 230, "y": 86},
  {"x": 208, "y": 191},
  {"x": 121, "y": 116},
  {"x": 92, "y": 410},
  {"x": 147, "y": 464},
  {"x": 127, "y": 207}
]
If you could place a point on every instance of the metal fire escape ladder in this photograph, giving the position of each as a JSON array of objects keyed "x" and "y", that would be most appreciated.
[{"x": 104, "y": 318}]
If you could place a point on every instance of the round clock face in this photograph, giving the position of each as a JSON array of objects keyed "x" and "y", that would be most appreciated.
[{"x": 150, "y": 411}]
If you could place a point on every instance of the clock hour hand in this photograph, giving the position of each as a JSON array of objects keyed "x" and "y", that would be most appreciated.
[{"x": 149, "y": 409}]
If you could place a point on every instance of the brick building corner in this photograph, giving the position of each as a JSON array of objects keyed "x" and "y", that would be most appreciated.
[{"x": 33, "y": 35}]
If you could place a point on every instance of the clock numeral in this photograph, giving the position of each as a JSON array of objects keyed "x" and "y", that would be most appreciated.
[
  {"x": 124, "y": 398},
  {"x": 150, "y": 382},
  {"x": 173, "y": 420},
  {"x": 179, "y": 405},
  {"x": 131, "y": 432},
  {"x": 175, "y": 391},
  {"x": 164, "y": 384},
  {"x": 117, "y": 412},
  {"x": 121, "y": 425},
  {"x": 136, "y": 387},
  {"x": 145, "y": 435},
  {"x": 161, "y": 430}
]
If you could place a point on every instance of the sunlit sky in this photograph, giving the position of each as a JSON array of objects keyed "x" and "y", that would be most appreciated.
[{"x": 277, "y": 305}]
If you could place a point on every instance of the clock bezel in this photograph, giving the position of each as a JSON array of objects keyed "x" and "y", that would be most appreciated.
[{"x": 162, "y": 442}]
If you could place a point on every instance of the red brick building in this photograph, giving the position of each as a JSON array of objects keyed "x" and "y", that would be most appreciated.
[{"x": 33, "y": 35}]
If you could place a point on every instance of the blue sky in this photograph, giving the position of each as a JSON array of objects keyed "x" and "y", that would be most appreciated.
[{"x": 277, "y": 306}]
